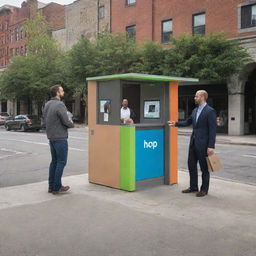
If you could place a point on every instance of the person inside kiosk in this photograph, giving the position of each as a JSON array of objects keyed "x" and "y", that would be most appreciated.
[{"x": 127, "y": 115}]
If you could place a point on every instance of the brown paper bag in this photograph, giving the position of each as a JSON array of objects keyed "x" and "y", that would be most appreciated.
[{"x": 213, "y": 162}]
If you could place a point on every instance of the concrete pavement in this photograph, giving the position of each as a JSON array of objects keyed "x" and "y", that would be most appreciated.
[{"x": 155, "y": 220}]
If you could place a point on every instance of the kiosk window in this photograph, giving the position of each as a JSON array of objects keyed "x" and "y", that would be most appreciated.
[{"x": 152, "y": 109}]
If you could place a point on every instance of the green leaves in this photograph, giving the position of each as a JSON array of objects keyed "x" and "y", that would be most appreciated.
[
  {"x": 207, "y": 58},
  {"x": 150, "y": 59},
  {"x": 109, "y": 54},
  {"x": 31, "y": 76},
  {"x": 115, "y": 54}
]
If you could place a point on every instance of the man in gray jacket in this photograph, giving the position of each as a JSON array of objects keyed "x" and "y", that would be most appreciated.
[{"x": 57, "y": 122}]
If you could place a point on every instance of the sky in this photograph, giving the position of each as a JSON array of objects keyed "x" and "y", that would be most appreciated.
[{"x": 18, "y": 2}]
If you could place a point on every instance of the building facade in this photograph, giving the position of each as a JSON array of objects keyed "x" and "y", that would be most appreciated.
[
  {"x": 13, "y": 39},
  {"x": 157, "y": 20},
  {"x": 83, "y": 18}
]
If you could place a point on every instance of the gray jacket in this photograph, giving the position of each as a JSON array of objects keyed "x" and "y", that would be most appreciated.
[{"x": 55, "y": 120}]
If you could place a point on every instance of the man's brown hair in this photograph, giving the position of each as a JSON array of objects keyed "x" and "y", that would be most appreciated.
[{"x": 54, "y": 89}]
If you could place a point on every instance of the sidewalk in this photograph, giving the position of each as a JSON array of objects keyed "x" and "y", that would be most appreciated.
[
  {"x": 157, "y": 220},
  {"x": 249, "y": 140}
]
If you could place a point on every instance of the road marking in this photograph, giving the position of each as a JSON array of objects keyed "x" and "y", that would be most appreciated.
[
  {"x": 251, "y": 156},
  {"x": 44, "y": 144},
  {"x": 78, "y": 149},
  {"x": 44, "y": 135},
  {"x": 10, "y": 151},
  {"x": 78, "y": 138}
]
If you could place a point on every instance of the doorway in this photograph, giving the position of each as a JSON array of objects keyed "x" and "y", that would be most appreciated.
[
  {"x": 3, "y": 105},
  {"x": 250, "y": 104},
  {"x": 131, "y": 92}
]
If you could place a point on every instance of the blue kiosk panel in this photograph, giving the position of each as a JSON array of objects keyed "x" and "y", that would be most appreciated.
[{"x": 149, "y": 154}]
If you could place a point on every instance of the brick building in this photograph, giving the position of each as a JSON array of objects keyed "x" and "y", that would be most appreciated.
[
  {"x": 151, "y": 16},
  {"x": 157, "y": 20},
  {"x": 13, "y": 38},
  {"x": 5, "y": 15}
]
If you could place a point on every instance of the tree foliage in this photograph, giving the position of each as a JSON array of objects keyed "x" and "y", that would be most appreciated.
[
  {"x": 78, "y": 64},
  {"x": 205, "y": 57},
  {"x": 109, "y": 54},
  {"x": 150, "y": 58},
  {"x": 31, "y": 76},
  {"x": 115, "y": 53},
  {"x": 15, "y": 79}
]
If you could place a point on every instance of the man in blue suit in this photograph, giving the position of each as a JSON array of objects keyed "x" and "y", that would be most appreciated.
[{"x": 202, "y": 142}]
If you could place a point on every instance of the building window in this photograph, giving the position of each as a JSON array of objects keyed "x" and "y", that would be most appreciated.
[
  {"x": 11, "y": 36},
  {"x": 166, "y": 31},
  {"x": 16, "y": 34},
  {"x": 131, "y": 32},
  {"x": 248, "y": 16},
  {"x": 199, "y": 24},
  {"x": 130, "y": 2},
  {"x": 101, "y": 12}
]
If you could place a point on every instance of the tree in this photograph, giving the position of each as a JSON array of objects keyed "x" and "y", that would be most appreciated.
[
  {"x": 209, "y": 58},
  {"x": 78, "y": 64},
  {"x": 31, "y": 76},
  {"x": 115, "y": 54},
  {"x": 150, "y": 60},
  {"x": 109, "y": 54},
  {"x": 15, "y": 78}
]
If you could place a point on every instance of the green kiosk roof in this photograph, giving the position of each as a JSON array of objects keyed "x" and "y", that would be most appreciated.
[{"x": 136, "y": 76}]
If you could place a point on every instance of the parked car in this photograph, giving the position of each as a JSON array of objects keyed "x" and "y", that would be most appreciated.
[
  {"x": 23, "y": 123},
  {"x": 3, "y": 117}
]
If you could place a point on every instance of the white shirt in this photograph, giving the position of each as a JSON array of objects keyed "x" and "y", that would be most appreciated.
[
  {"x": 199, "y": 110},
  {"x": 125, "y": 113}
]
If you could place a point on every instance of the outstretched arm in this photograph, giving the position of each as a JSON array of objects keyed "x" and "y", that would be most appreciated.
[{"x": 185, "y": 123}]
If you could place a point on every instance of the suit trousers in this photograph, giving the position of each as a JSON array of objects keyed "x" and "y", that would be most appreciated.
[{"x": 196, "y": 155}]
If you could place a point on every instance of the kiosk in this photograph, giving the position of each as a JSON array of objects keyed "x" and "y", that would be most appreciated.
[{"x": 120, "y": 155}]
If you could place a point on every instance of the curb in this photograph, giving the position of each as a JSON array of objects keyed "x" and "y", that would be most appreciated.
[{"x": 223, "y": 141}]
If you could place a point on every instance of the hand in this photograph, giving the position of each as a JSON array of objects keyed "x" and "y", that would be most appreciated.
[
  {"x": 171, "y": 123},
  {"x": 210, "y": 151}
]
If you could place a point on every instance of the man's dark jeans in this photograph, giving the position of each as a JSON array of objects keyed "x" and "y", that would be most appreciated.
[{"x": 59, "y": 152}]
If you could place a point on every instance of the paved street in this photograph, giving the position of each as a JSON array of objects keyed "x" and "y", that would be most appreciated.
[
  {"x": 24, "y": 157},
  {"x": 239, "y": 161}
]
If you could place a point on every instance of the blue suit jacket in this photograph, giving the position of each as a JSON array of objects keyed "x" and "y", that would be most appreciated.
[{"x": 204, "y": 130}]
